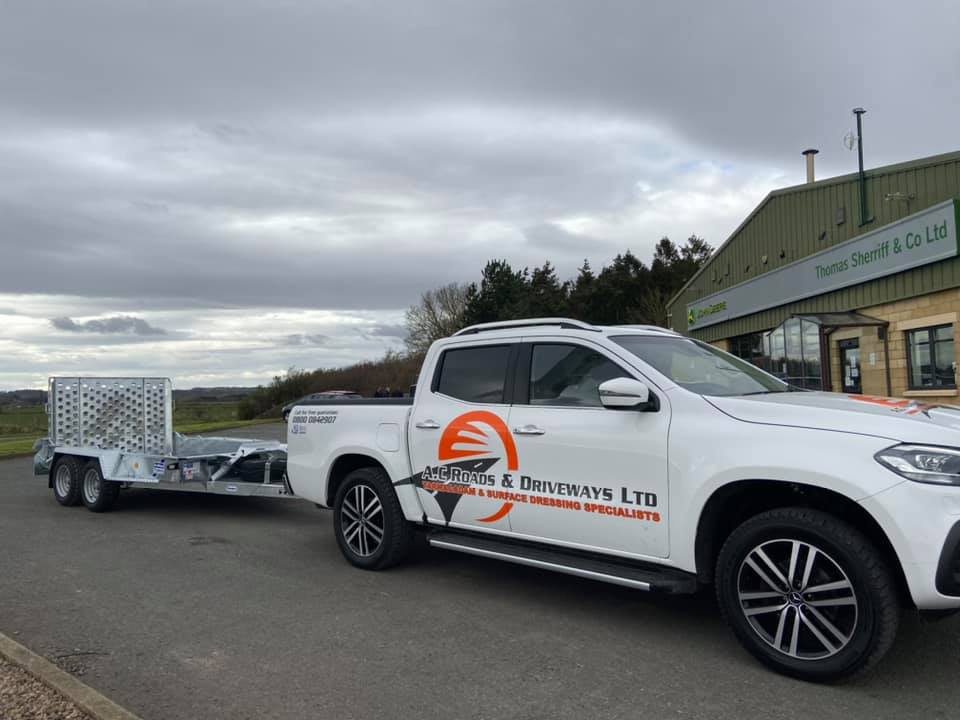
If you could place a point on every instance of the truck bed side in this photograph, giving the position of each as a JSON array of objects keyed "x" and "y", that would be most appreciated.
[{"x": 326, "y": 437}]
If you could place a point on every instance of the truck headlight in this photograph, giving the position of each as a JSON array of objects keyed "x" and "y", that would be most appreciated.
[{"x": 923, "y": 463}]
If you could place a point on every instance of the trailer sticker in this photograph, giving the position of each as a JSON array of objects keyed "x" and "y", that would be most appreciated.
[
  {"x": 464, "y": 439},
  {"x": 159, "y": 468},
  {"x": 188, "y": 470}
]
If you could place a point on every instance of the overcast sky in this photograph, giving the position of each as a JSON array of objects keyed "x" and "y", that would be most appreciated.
[{"x": 215, "y": 191}]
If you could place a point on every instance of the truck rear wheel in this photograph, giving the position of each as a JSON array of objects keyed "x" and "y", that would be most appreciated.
[
  {"x": 66, "y": 480},
  {"x": 807, "y": 594},
  {"x": 97, "y": 494},
  {"x": 368, "y": 521}
]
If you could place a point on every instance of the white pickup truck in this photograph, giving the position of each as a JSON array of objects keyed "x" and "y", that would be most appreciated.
[{"x": 636, "y": 456}]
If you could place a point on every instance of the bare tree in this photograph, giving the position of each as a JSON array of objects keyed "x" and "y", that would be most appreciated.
[
  {"x": 438, "y": 314},
  {"x": 651, "y": 306}
]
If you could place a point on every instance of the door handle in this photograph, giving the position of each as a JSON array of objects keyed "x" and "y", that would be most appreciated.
[
  {"x": 428, "y": 425},
  {"x": 529, "y": 430}
]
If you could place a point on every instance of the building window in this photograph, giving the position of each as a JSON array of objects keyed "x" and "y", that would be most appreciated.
[
  {"x": 930, "y": 359},
  {"x": 750, "y": 348},
  {"x": 791, "y": 352}
]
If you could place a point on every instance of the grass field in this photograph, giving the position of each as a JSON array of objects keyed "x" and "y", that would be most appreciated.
[{"x": 20, "y": 427}]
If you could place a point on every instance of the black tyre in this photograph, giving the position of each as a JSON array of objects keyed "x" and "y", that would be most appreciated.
[
  {"x": 66, "y": 480},
  {"x": 369, "y": 524},
  {"x": 97, "y": 494},
  {"x": 807, "y": 594}
]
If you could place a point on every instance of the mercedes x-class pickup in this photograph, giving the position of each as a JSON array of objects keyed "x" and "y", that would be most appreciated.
[{"x": 636, "y": 456}]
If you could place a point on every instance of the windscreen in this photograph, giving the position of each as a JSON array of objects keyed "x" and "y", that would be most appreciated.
[{"x": 699, "y": 367}]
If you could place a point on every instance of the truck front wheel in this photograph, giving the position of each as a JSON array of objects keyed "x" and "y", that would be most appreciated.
[
  {"x": 368, "y": 521},
  {"x": 807, "y": 594}
]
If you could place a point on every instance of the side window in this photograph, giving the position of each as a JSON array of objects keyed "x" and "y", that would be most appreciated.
[
  {"x": 569, "y": 375},
  {"x": 930, "y": 358},
  {"x": 477, "y": 374}
]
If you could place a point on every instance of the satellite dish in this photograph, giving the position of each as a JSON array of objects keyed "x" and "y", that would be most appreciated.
[{"x": 849, "y": 140}]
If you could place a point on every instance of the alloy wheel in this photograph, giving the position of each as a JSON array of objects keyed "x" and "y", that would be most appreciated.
[
  {"x": 797, "y": 599},
  {"x": 361, "y": 520}
]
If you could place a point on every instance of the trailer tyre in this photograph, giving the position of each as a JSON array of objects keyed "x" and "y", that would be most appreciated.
[
  {"x": 66, "y": 481},
  {"x": 368, "y": 521},
  {"x": 807, "y": 594},
  {"x": 97, "y": 494}
]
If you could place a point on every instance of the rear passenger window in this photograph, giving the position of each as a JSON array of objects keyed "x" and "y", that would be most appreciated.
[
  {"x": 569, "y": 375},
  {"x": 477, "y": 374}
]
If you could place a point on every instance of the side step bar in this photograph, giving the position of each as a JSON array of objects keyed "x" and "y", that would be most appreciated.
[{"x": 648, "y": 577}]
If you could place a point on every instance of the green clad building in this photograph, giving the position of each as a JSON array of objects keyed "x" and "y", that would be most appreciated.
[{"x": 830, "y": 289}]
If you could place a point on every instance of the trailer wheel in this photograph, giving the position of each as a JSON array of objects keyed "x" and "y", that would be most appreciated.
[
  {"x": 368, "y": 521},
  {"x": 97, "y": 494},
  {"x": 66, "y": 481}
]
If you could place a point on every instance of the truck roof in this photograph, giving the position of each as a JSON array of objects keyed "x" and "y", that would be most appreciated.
[{"x": 552, "y": 324}]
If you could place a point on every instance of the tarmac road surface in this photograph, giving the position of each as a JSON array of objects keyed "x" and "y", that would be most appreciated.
[{"x": 187, "y": 606}]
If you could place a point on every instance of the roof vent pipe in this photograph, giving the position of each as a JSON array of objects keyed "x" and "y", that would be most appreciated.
[{"x": 809, "y": 153}]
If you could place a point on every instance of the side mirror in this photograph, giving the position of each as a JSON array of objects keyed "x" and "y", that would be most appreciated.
[{"x": 623, "y": 392}]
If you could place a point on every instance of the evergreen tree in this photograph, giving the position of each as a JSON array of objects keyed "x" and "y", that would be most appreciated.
[
  {"x": 503, "y": 294},
  {"x": 581, "y": 293},
  {"x": 547, "y": 297},
  {"x": 619, "y": 288},
  {"x": 694, "y": 253},
  {"x": 624, "y": 292}
]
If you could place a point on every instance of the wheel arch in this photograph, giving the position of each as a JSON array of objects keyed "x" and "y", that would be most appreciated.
[
  {"x": 732, "y": 504},
  {"x": 343, "y": 466}
]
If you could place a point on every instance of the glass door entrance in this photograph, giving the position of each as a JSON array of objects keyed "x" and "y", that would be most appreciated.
[
  {"x": 850, "y": 366},
  {"x": 800, "y": 349}
]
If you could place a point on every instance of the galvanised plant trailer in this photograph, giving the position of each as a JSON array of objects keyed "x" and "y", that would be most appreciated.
[{"x": 111, "y": 433}]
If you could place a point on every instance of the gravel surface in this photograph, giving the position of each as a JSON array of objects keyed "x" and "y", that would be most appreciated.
[{"x": 24, "y": 698}]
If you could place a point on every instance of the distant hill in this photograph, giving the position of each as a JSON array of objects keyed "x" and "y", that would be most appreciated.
[
  {"x": 23, "y": 397},
  {"x": 214, "y": 394},
  {"x": 394, "y": 371},
  {"x": 26, "y": 398}
]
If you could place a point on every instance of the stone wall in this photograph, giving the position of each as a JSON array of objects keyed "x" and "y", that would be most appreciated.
[{"x": 940, "y": 308}]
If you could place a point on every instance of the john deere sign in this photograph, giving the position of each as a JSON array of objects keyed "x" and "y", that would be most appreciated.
[{"x": 918, "y": 239}]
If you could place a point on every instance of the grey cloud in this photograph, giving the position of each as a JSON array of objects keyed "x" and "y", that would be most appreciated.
[
  {"x": 225, "y": 132},
  {"x": 332, "y": 170},
  {"x": 552, "y": 237},
  {"x": 740, "y": 76},
  {"x": 351, "y": 248},
  {"x": 150, "y": 206},
  {"x": 118, "y": 324},
  {"x": 211, "y": 268},
  {"x": 391, "y": 331},
  {"x": 299, "y": 339},
  {"x": 348, "y": 156}
]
